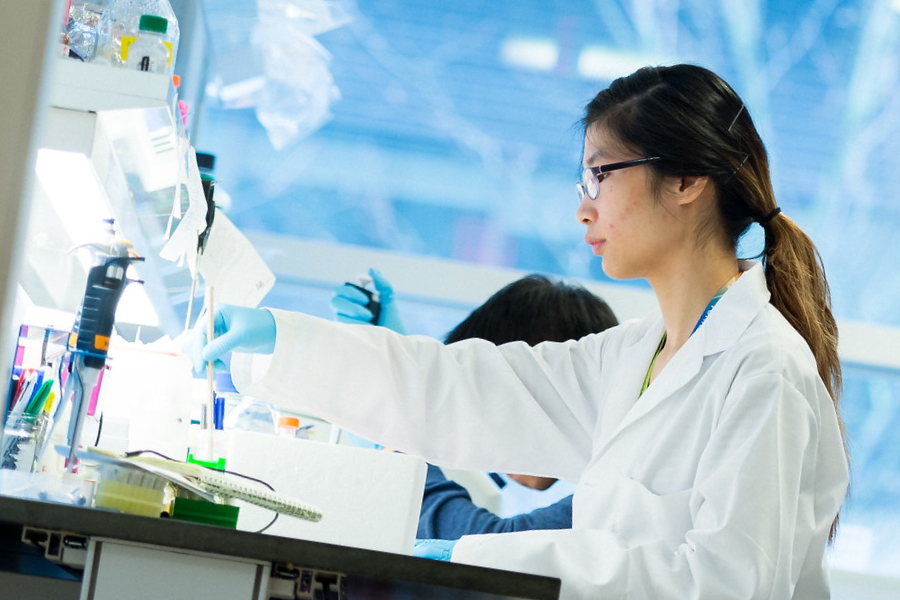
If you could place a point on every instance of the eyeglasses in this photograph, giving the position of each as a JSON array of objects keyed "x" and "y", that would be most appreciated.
[{"x": 592, "y": 176}]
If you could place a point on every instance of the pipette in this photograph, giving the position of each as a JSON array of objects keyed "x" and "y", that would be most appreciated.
[{"x": 89, "y": 340}]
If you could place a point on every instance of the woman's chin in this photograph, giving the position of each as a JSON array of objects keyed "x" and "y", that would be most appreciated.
[{"x": 614, "y": 271}]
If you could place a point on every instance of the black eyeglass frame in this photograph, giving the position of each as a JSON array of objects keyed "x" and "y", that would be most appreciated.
[{"x": 599, "y": 173}]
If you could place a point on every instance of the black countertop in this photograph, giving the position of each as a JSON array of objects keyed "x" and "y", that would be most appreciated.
[{"x": 387, "y": 575}]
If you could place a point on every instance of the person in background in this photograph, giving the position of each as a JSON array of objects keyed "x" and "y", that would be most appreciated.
[
  {"x": 532, "y": 309},
  {"x": 706, "y": 438}
]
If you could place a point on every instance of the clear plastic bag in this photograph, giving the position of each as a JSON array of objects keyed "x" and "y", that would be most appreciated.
[
  {"x": 304, "y": 17},
  {"x": 298, "y": 91},
  {"x": 296, "y": 98}
]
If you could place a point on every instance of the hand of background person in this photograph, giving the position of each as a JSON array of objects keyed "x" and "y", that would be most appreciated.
[
  {"x": 349, "y": 304},
  {"x": 434, "y": 549},
  {"x": 237, "y": 328}
]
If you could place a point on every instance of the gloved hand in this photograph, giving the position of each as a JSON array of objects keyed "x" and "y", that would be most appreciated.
[
  {"x": 236, "y": 328},
  {"x": 434, "y": 549},
  {"x": 349, "y": 304}
]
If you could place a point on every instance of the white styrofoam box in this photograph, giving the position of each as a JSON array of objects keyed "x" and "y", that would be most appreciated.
[
  {"x": 369, "y": 498},
  {"x": 149, "y": 386}
]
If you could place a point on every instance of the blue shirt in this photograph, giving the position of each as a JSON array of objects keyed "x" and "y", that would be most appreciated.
[{"x": 448, "y": 513}]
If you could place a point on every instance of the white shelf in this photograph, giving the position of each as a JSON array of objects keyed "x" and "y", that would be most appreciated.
[
  {"x": 93, "y": 87},
  {"x": 124, "y": 124}
]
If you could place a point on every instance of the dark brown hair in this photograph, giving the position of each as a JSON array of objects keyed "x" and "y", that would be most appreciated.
[{"x": 535, "y": 309}]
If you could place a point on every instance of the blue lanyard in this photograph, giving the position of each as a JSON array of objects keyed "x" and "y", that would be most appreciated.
[
  {"x": 713, "y": 302},
  {"x": 706, "y": 310}
]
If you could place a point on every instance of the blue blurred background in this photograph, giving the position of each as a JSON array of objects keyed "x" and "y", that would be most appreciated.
[{"x": 453, "y": 133}]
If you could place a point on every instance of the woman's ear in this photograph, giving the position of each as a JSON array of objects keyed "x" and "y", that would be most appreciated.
[{"x": 687, "y": 189}]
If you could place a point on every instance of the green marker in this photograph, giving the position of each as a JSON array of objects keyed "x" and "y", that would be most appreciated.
[{"x": 37, "y": 401}]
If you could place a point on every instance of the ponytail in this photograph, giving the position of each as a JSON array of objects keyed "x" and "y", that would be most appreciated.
[{"x": 799, "y": 290}]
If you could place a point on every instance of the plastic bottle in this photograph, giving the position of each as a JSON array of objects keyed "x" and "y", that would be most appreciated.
[
  {"x": 119, "y": 28},
  {"x": 149, "y": 52},
  {"x": 162, "y": 8},
  {"x": 288, "y": 426}
]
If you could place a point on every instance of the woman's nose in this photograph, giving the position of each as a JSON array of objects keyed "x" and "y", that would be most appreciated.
[{"x": 587, "y": 212}]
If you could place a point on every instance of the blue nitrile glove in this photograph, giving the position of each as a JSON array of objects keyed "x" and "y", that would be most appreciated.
[
  {"x": 349, "y": 304},
  {"x": 238, "y": 328},
  {"x": 435, "y": 549}
]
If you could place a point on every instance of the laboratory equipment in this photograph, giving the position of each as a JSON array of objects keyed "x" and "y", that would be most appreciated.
[
  {"x": 368, "y": 299},
  {"x": 365, "y": 284},
  {"x": 89, "y": 340},
  {"x": 207, "y": 483},
  {"x": 22, "y": 437}
]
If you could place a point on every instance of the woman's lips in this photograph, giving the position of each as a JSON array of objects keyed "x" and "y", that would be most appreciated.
[{"x": 595, "y": 244}]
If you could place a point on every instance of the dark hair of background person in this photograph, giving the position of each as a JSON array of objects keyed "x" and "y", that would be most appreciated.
[
  {"x": 699, "y": 126},
  {"x": 535, "y": 309}
]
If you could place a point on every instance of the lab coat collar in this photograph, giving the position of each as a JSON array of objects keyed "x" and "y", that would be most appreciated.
[
  {"x": 733, "y": 314},
  {"x": 728, "y": 320}
]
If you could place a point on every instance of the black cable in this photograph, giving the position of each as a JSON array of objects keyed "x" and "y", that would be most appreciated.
[{"x": 99, "y": 430}]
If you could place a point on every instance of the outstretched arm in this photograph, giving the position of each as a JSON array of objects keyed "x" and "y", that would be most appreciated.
[{"x": 448, "y": 513}]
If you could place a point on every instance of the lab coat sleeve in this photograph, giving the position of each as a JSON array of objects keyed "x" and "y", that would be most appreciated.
[
  {"x": 470, "y": 405},
  {"x": 768, "y": 486},
  {"x": 448, "y": 513}
]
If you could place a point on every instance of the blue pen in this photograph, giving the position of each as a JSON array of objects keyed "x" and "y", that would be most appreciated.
[
  {"x": 219, "y": 412},
  {"x": 39, "y": 378}
]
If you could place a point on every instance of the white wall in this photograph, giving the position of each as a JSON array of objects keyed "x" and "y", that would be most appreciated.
[
  {"x": 25, "y": 47},
  {"x": 447, "y": 280},
  {"x": 846, "y": 585}
]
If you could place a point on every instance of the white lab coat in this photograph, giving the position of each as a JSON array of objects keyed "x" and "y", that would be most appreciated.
[{"x": 721, "y": 481}]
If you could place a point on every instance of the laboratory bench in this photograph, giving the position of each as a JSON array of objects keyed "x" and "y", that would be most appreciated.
[{"x": 93, "y": 554}]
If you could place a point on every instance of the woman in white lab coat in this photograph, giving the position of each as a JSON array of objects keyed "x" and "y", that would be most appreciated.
[{"x": 705, "y": 440}]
